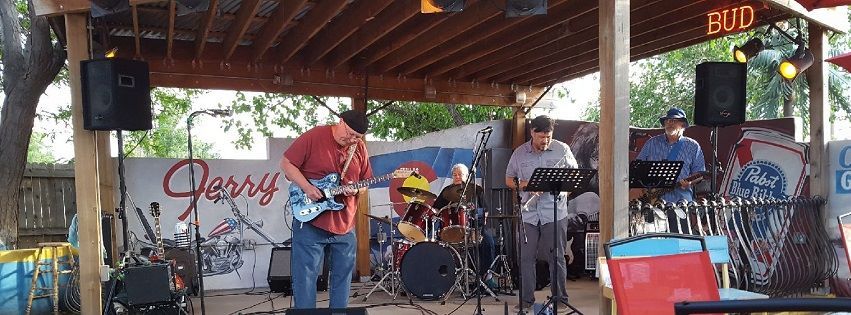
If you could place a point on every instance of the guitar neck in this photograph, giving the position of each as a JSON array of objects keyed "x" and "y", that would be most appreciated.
[
  {"x": 361, "y": 184},
  {"x": 160, "y": 249}
]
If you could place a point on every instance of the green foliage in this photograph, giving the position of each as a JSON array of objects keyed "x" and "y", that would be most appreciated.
[
  {"x": 168, "y": 137},
  {"x": 40, "y": 151},
  {"x": 398, "y": 121},
  {"x": 667, "y": 80}
]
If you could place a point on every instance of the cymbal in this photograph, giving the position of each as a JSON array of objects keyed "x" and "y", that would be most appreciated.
[
  {"x": 379, "y": 219},
  {"x": 454, "y": 194},
  {"x": 416, "y": 193}
]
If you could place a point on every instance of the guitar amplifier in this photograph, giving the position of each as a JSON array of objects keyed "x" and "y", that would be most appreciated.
[
  {"x": 592, "y": 242},
  {"x": 280, "y": 273},
  {"x": 592, "y": 226},
  {"x": 148, "y": 284}
]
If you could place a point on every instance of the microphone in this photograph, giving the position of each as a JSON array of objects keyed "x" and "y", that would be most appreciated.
[
  {"x": 220, "y": 112},
  {"x": 486, "y": 129}
]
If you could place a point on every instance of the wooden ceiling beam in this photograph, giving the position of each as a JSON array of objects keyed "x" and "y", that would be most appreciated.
[
  {"x": 472, "y": 16},
  {"x": 461, "y": 62},
  {"x": 276, "y": 24},
  {"x": 661, "y": 44},
  {"x": 473, "y": 37},
  {"x": 172, "y": 10},
  {"x": 570, "y": 20},
  {"x": 158, "y": 12},
  {"x": 204, "y": 28},
  {"x": 213, "y": 35},
  {"x": 645, "y": 20},
  {"x": 399, "y": 37},
  {"x": 247, "y": 11},
  {"x": 135, "y": 14},
  {"x": 386, "y": 21},
  {"x": 314, "y": 21},
  {"x": 339, "y": 29}
]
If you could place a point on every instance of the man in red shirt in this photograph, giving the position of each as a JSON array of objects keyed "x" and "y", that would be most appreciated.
[{"x": 318, "y": 152}]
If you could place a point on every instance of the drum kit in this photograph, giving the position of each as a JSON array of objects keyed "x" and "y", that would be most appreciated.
[{"x": 432, "y": 258}]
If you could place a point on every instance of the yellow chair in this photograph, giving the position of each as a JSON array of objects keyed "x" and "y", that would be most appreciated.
[{"x": 51, "y": 251}]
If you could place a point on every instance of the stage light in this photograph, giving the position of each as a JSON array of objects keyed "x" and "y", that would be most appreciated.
[
  {"x": 515, "y": 8},
  {"x": 793, "y": 66},
  {"x": 111, "y": 53},
  {"x": 106, "y": 7},
  {"x": 437, "y": 6},
  {"x": 747, "y": 51},
  {"x": 185, "y": 7}
]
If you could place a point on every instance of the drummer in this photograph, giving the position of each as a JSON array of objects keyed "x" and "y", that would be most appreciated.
[{"x": 452, "y": 194}]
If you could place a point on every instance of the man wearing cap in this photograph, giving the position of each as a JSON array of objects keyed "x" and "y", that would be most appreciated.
[
  {"x": 537, "y": 216},
  {"x": 674, "y": 146},
  {"x": 318, "y": 152}
]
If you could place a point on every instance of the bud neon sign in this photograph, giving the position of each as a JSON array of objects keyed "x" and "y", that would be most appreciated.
[{"x": 730, "y": 19}]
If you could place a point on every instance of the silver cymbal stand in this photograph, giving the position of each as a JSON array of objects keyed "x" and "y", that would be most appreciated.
[
  {"x": 393, "y": 278},
  {"x": 501, "y": 260}
]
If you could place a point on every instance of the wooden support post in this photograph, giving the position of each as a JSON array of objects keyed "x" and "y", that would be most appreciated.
[
  {"x": 106, "y": 187},
  {"x": 86, "y": 176},
  {"x": 614, "y": 123},
  {"x": 819, "y": 112},
  {"x": 518, "y": 128},
  {"x": 362, "y": 267}
]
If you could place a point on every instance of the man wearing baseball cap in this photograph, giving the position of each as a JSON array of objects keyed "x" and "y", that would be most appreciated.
[
  {"x": 318, "y": 152},
  {"x": 674, "y": 146}
]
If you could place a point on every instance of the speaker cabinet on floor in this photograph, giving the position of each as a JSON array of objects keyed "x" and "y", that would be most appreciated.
[
  {"x": 280, "y": 274},
  {"x": 116, "y": 95},
  {"x": 719, "y": 94}
]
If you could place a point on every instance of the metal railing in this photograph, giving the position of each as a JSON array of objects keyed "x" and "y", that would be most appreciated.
[{"x": 777, "y": 247}]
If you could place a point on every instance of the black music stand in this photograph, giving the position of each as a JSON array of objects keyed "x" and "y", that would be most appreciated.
[
  {"x": 654, "y": 174},
  {"x": 555, "y": 181}
]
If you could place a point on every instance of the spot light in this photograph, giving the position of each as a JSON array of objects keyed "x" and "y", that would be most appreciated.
[
  {"x": 437, "y": 6},
  {"x": 793, "y": 66},
  {"x": 747, "y": 51},
  {"x": 516, "y": 8}
]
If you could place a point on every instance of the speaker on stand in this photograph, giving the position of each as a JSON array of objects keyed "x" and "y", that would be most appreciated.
[{"x": 720, "y": 99}]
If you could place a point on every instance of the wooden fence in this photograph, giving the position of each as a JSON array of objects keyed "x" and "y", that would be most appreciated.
[{"x": 47, "y": 204}]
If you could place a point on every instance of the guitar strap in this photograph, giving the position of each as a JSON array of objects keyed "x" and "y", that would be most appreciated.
[{"x": 352, "y": 149}]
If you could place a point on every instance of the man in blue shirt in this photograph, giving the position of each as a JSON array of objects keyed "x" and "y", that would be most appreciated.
[{"x": 674, "y": 146}]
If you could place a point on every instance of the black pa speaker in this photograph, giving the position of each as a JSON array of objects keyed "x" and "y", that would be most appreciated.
[
  {"x": 719, "y": 94},
  {"x": 116, "y": 95},
  {"x": 280, "y": 274},
  {"x": 327, "y": 311}
]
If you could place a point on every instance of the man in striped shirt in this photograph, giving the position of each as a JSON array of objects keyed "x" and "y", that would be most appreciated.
[{"x": 674, "y": 146}]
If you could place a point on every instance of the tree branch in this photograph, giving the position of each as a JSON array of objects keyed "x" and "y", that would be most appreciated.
[
  {"x": 14, "y": 63},
  {"x": 456, "y": 116}
]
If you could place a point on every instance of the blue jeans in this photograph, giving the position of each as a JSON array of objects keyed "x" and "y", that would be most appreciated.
[{"x": 309, "y": 244}]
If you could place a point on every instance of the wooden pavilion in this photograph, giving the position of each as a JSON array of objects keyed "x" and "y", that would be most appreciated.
[{"x": 388, "y": 50}]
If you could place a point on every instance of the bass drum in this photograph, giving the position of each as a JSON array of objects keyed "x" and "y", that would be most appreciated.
[{"x": 429, "y": 270}]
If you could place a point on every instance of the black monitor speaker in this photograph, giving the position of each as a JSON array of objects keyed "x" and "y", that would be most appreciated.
[
  {"x": 719, "y": 94},
  {"x": 116, "y": 95},
  {"x": 280, "y": 274},
  {"x": 328, "y": 311}
]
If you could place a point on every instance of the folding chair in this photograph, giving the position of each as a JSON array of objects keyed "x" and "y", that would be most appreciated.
[{"x": 651, "y": 272}]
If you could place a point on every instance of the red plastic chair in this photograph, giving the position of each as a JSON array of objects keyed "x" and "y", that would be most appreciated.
[{"x": 652, "y": 285}]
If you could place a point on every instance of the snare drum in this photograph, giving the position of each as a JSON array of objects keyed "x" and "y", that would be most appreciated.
[
  {"x": 416, "y": 222},
  {"x": 454, "y": 219}
]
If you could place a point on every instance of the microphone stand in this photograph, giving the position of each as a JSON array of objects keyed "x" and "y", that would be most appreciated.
[
  {"x": 521, "y": 231},
  {"x": 194, "y": 202},
  {"x": 470, "y": 181}
]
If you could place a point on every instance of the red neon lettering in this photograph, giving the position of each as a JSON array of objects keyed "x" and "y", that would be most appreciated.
[{"x": 714, "y": 23}]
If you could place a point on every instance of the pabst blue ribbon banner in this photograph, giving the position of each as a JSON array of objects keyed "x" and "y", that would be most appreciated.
[{"x": 769, "y": 165}]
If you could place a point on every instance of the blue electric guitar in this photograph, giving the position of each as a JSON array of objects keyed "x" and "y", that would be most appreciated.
[{"x": 304, "y": 209}]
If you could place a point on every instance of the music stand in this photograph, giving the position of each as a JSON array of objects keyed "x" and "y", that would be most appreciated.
[
  {"x": 654, "y": 174},
  {"x": 555, "y": 181}
]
